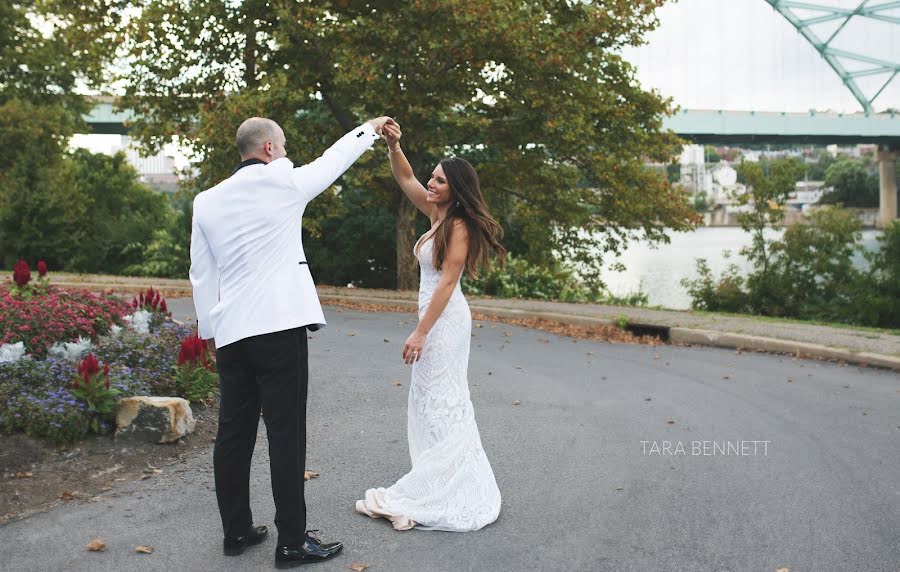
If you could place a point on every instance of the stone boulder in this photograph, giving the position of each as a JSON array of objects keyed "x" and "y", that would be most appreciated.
[{"x": 154, "y": 419}]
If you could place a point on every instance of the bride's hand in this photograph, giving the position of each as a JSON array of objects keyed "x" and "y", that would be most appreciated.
[
  {"x": 391, "y": 133},
  {"x": 412, "y": 349}
]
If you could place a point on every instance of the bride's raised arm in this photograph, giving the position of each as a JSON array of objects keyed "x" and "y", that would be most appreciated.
[{"x": 403, "y": 172}]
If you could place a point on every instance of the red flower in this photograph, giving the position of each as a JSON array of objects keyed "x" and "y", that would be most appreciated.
[
  {"x": 193, "y": 350},
  {"x": 21, "y": 273},
  {"x": 163, "y": 307},
  {"x": 42, "y": 268},
  {"x": 88, "y": 367}
]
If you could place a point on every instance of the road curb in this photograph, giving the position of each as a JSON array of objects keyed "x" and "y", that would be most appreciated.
[
  {"x": 673, "y": 334},
  {"x": 778, "y": 345}
]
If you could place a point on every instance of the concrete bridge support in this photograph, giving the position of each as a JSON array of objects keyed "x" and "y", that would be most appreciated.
[{"x": 887, "y": 205}]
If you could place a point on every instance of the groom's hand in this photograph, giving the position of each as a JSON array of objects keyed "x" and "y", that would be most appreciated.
[{"x": 378, "y": 123}]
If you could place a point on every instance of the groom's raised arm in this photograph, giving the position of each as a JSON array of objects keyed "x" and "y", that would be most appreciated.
[{"x": 313, "y": 178}]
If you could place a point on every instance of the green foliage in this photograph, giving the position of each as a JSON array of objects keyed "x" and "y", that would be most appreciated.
[
  {"x": 881, "y": 305},
  {"x": 87, "y": 219},
  {"x": 817, "y": 170},
  {"x": 701, "y": 202},
  {"x": 811, "y": 275},
  {"x": 355, "y": 245},
  {"x": 854, "y": 185},
  {"x": 195, "y": 383},
  {"x": 167, "y": 254},
  {"x": 96, "y": 392},
  {"x": 555, "y": 281},
  {"x": 767, "y": 192},
  {"x": 725, "y": 293}
]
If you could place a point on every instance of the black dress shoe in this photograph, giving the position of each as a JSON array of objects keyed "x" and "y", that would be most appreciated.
[
  {"x": 236, "y": 546},
  {"x": 313, "y": 550}
]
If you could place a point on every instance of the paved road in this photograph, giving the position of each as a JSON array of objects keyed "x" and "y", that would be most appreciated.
[{"x": 579, "y": 490}]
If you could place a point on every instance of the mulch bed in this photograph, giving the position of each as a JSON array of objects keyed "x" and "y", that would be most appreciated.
[{"x": 36, "y": 476}]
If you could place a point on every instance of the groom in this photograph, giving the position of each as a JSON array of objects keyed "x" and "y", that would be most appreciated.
[{"x": 255, "y": 298}]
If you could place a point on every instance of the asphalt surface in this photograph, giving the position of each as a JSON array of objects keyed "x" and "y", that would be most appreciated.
[{"x": 562, "y": 422}]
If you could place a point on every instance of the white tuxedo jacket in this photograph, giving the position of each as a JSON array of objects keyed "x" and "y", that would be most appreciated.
[{"x": 248, "y": 269}]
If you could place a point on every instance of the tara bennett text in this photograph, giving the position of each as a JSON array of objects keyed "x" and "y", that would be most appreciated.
[{"x": 706, "y": 448}]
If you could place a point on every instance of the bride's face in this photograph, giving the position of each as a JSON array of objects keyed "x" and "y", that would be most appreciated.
[{"x": 438, "y": 188}]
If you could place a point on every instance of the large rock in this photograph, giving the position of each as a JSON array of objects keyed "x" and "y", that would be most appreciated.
[{"x": 154, "y": 419}]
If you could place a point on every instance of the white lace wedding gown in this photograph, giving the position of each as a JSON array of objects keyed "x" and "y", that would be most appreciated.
[{"x": 451, "y": 485}]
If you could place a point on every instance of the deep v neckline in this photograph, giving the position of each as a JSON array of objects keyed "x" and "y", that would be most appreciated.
[{"x": 426, "y": 237}]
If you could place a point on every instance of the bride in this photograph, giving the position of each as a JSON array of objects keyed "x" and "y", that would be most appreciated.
[{"x": 451, "y": 485}]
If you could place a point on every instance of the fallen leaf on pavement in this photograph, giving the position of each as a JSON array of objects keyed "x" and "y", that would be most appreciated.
[
  {"x": 387, "y": 341},
  {"x": 105, "y": 488},
  {"x": 144, "y": 549},
  {"x": 351, "y": 333},
  {"x": 96, "y": 545},
  {"x": 517, "y": 402},
  {"x": 785, "y": 569},
  {"x": 726, "y": 377},
  {"x": 790, "y": 380},
  {"x": 670, "y": 422},
  {"x": 309, "y": 475},
  {"x": 397, "y": 383},
  {"x": 67, "y": 496},
  {"x": 358, "y": 566},
  {"x": 23, "y": 475}
]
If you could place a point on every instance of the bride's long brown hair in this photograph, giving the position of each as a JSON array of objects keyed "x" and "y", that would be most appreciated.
[{"x": 469, "y": 208}]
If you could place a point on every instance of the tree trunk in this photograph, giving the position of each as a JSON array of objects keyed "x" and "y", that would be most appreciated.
[{"x": 407, "y": 271}]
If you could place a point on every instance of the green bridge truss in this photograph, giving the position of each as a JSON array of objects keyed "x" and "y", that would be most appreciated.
[{"x": 841, "y": 16}]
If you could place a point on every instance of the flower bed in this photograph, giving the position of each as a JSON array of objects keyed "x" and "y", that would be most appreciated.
[
  {"x": 67, "y": 356},
  {"x": 58, "y": 315}
]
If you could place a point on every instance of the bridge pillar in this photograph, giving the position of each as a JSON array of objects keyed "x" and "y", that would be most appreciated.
[{"x": 887, "y": 204}]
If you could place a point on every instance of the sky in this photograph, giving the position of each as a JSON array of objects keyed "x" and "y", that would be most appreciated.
[{"x": 743, "y": 55}]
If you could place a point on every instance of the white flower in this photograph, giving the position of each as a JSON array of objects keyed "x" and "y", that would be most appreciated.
[
  {"x": 139, "y": 321},
  {"x": 70, "y": 350},
  {"x": 114, "y": 329},
  {"x": 11, "y": 353}
]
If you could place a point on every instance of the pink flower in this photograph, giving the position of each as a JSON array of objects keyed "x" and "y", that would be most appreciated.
[
  {"x": 42, "y": 268},
  {"x": 21, "y": 273}
]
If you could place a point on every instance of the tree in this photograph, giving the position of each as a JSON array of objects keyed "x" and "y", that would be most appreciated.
[
  {"x": 534, "y": 94},
  {"x": 39, "y": 111},
  {"x": 767, "y": 193},
  {"x": 87, "y": 212},
  {"x": 853, "y": 185}
]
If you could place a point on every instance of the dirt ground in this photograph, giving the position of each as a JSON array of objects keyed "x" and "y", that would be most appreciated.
[{"x": 35, "y": 476}]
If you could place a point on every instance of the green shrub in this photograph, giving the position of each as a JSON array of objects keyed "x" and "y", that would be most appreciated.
[
  {"x": 809, "y": 274},
  {"x": 521, "y": 279}
]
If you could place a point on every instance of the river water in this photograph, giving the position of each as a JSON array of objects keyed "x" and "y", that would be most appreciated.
[{"x": 658, "y": 272}]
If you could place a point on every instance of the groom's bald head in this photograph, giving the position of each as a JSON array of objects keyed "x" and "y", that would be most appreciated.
[{"x": 261, "y": 138}]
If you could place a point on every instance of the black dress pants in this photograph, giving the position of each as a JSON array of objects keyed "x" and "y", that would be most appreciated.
[{"x": 269, "y": 371}]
